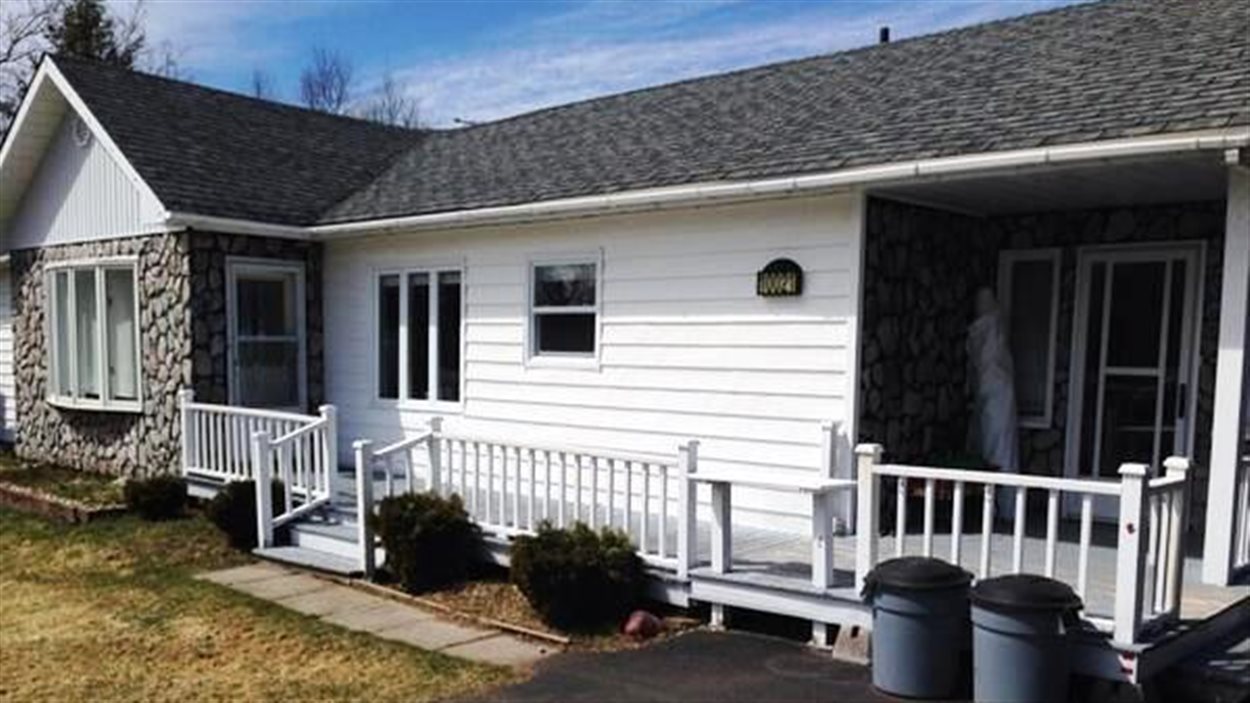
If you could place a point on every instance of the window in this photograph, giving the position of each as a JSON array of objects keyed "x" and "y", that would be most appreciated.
[
  {"x": 564, "y": 309},
  {"x": 94, "y": 340},
  {"x": 1028, "y": 289},
  {"x": 419, "y": 335}
]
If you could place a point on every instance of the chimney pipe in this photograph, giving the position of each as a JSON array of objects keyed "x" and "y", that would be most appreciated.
[{"x": 884, "y": 35}]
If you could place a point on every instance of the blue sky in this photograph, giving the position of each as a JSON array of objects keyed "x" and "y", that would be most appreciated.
[{"x": 485, "y": 60}]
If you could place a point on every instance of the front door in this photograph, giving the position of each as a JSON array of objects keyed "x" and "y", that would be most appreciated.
[
  {"x": 1133, "y": 360},
  {"x": 266, "y": 334}
]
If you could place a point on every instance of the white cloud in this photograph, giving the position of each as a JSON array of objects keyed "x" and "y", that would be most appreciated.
[{"x": 604, "y": 48}]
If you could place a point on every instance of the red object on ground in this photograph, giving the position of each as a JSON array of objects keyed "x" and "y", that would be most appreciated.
[{"x": 642, "y": 625}]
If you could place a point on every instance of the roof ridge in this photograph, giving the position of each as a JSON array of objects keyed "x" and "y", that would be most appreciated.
[
  {"x": 887, "y": 46},
  {"x": 59, "y": 59}
]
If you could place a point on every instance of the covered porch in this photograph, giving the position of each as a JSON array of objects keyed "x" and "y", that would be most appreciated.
[{"x": 1122, "y": 294}]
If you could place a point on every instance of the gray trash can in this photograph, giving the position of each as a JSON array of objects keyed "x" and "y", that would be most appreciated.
[
  {"x": 1019, "y": 640},
  {"x": 919, "y": 627}
]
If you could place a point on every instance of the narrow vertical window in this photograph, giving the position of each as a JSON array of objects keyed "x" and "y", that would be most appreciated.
[
  {"x": 449, "y": 335},
  {"x": 1029, "y": 293},
  {"x": 419, "y": 336},
  {"x": 61, "y": 338},
  {"x": 388, "y": 337},
  {"x": 123, "y": 367}
]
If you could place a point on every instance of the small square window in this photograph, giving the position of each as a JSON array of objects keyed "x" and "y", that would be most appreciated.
[{"x": 564, "y": 316}]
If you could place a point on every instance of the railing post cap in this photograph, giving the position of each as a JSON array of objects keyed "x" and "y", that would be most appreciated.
[
  {"x": 325, "y": 408},
  {"x": 829, "y": 425},
  {"x": 1135, "y": 470},
  {"x": 186, "y": 394},
  {"x": 1177, "y": 464},
  {"x": 869, "y": 449},
  {"x": 436, "y": 423},
  {"x": 362, "y": 443}
]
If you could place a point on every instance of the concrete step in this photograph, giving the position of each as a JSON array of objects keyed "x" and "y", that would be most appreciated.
[
  {"x": 310, "y": 559},
  {"x": 328, "y": 534}
]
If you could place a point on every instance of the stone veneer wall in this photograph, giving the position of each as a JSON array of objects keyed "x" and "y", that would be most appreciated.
[
  {"x": 114, "y": 442},
  {"x": 923, "y": 268},
  {"x": 209, "y": 254}
]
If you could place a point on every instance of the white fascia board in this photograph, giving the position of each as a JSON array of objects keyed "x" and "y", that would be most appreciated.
[
  {"x": 710, "y": 193},
  {"x": 230, "y": 225}
]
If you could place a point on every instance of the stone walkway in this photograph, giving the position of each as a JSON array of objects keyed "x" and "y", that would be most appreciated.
[{"x": 356, "y": 610}]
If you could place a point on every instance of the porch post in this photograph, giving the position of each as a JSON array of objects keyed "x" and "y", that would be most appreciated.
[
  {"x": 687, "y": 508},
  {"x": 363, "y": 450},
  {"x": 867, "y": 456},
  {"x": 1130, "y": 553},
  {"x": 262, "y": 456},
  {"x": 185, "y": 397},
  {"x": 1230, "y": 383},
  {"x": 436, "y": 455}
]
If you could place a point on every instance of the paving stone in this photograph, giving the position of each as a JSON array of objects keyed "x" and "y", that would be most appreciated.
[
  {"x": 244, "y": 574},
  {"x": 433, "y": 634},
  {"x": 379, "y": 615},
  {"x": 327, "y": 600},
  {"x": 500, "y": 650},
  {"x": 283, "y": 586}
]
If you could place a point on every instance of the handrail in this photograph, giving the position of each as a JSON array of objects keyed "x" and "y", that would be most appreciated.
[
  {"x": 401, "y": 445},
  {"x": 994, "y": 478},
  {"x": 633, "y": 457},
  {"x": 300, "y": 432},
  {"x": 247, "y": 412}
]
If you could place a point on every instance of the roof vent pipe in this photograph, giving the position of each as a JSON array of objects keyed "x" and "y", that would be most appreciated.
[{"x": 883, "y": 36}]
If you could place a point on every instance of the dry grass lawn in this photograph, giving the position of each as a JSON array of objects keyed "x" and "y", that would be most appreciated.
[{"x": 110, "y": 611}]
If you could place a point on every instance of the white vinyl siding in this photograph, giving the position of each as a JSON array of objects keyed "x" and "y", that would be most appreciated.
[
  {"x": 687, "y": 349},
  {"x": 8, "y": 399},
  {"x": 80, "y": 193}
]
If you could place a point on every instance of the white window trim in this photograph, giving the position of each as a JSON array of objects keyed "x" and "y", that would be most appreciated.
[
  {"x": 236, "y": 265},
  {"x": 54, "y": 395},
  {"x": 563, "y": 360},
  {"x": 1006, "y": 261},
  {"x": 404, "y": 402}
]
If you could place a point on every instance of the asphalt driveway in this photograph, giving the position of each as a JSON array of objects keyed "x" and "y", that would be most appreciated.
[{"x": 698, "y": 666}]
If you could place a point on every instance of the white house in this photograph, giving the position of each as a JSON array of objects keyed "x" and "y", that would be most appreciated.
[{"x": 778, "y": 263}]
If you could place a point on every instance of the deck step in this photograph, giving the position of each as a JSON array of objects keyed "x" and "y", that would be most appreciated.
[
  {"x": 1218, "y": 674},
  {"x": 310, "y": 559}
]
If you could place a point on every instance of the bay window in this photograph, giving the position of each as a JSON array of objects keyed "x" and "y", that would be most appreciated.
[
  {"x": 418, "y": 340},
  {"x": 93, "y": 335}
]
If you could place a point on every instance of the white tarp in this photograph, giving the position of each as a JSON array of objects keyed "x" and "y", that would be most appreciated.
[{"x": 992, "y": 432}]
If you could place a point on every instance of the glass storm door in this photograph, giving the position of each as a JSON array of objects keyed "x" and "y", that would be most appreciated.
[
  {"x": 1135, "y": 336},
  {"x": 266, "y": 325}
]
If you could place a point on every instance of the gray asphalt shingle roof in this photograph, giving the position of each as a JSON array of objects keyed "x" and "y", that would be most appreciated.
[{"x": 1077, "y": 74}]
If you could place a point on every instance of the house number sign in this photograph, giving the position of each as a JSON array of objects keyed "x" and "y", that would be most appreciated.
[{"x": 781, "y": 277}]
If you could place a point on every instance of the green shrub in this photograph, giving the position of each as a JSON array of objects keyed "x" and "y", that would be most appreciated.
[
  {"x": 157, "y": 497},
  {"x": 577, "y": 578},
  {"x": 233, "y": 510},
  {"x": 430, "y": 541}
]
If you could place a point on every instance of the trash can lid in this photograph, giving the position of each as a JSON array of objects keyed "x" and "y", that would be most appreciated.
[
  {"x": 915, "y": 574},
  {"x": 1025, "y": 592}
]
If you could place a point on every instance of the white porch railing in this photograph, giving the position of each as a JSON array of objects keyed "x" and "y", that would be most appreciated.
[
  {"x": 1150, "y": 534},
  {"x": 1241, "y": 504},
  {"x": 225, "y": 443},
  {"x": 510, "y": 487}
]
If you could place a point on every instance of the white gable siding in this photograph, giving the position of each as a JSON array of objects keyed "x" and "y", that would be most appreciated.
[
  {"x": 8, "y": 407},
  {"x": 687, "y": 348},
  {"x": 80, "y": 193}
]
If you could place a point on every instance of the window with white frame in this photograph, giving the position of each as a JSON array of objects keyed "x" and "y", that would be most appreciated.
[
  {"x": 418, "y": 338},
  {"x": 1028, "y": 289},
  {"x": 564, "y": 308},
  {"x": 94, "y": 336}
]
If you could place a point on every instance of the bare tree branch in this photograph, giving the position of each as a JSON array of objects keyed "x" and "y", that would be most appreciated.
[
  {"x": 263, "y": 86},
  {"x": 22, "y": 42},
  {"x": 391, "y": 104},
  {"x": 326, "y": 83}
]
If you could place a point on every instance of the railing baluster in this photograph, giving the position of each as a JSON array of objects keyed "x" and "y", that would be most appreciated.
[
  {"x": 533, "y": 473},
  {"x": 610, "y": 520},
  {"x": 646, "y": 507},
  {"x": 929, "y": 489},
  {"x": 1017, "y": 546},
  {"x": 564, "y": 461},
  {"x": 628, "y": 519},
  {"x": 490, "y": 481},
  {"x": 987, "y": 528},
  {"x": 594, "y": 491},
  {"x": 957, "y": 522},
  {"x": 1052, "y": 531},
  {"x": 547, "y": 485},
  {"x": 577, "y": 495},
  {"x": 1087, "y": 528},
  {"x": 390, "y": 476},
  {"x": 516, "y": 491},
  {"x": 900, "y": 516},
  {"x": 663, "y": 527},
  {"x": 1161, "y": 514}
]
